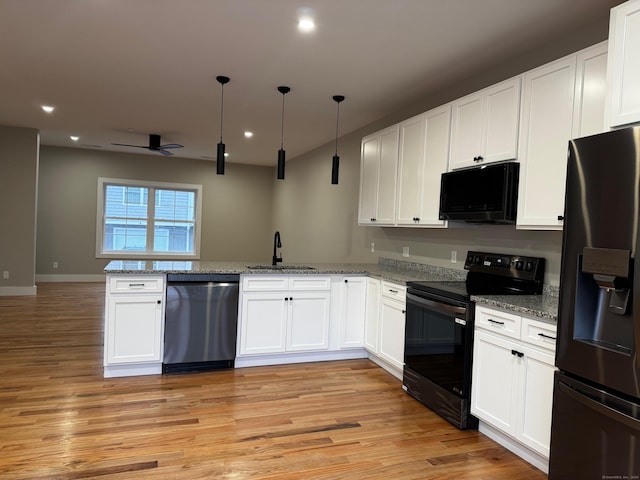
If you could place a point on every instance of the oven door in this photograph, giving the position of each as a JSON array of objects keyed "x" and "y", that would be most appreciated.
[{"x": 438, "y": 341}]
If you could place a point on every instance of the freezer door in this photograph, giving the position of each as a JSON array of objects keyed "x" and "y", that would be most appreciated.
[
  {"x": 594, "y": 434},
  {"x": 599, "y": 314},
  {"x": 200, "y": 322}
]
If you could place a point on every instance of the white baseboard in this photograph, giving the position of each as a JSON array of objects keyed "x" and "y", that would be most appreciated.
[
  {"x": 70, "y": 278},
  {"x": 516, "y": 447},
  {"x": 302, "y": 357},
  {"x": 17, "y": 291},
  {"x": 392, "y": 369}
]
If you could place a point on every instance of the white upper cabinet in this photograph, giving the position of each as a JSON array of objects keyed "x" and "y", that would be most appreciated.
[
  {"x": 590, "y": 90},
  {"x": 423, "y": 157},
  {"x": 560, "y": 101},
  {"x": 484, "y": 126},
  {"x": 378, "y": 170},
  {"x": 623, "y": 70},
  {"x": 547, "y": 120}
]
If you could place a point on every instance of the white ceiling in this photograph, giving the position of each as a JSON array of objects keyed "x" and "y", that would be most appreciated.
[{"x": 118, "y": 70}]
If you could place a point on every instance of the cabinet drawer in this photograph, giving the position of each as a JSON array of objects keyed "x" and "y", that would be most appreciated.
[
  {"x": 393, "y": 290},
  {"x": 498, "y": 322},
  {"x": 539, "y": 333},
  {"x": 264, "y": 283},
  {"x": 136, "y": 283},
  {"x": 309, "y": 282}
]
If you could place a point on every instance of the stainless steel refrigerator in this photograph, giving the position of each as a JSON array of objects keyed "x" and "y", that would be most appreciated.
[{"x": 595, "y": 431}]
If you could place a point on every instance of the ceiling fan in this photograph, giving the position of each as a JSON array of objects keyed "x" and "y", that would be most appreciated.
[{"x": 154, "y": 145}]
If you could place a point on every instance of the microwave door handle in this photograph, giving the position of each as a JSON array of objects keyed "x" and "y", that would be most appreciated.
[
  {"x": 609, "y": 412},
  {"x": 441, "y": 307}
]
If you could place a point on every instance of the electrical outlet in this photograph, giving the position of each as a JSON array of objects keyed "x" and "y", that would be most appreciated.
[
  {"x": 405, "y": 251},
  {"x": 5, "y": 274},
  {"x": 454, "y": 256},
  {"x": 55, "y": 264},
  {"x": 373, "y": 247}
]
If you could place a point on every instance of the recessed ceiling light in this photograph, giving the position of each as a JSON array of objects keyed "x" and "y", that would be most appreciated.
[
  {"x": 48, "y": 108},
  {"x": 248, "y": 134},
  {"x": 306, "y": 24},
  {"x": 74, "y": 138}
]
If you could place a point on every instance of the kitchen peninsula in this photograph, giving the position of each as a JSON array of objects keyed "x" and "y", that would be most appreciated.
[{"x": 349, "y": 312}]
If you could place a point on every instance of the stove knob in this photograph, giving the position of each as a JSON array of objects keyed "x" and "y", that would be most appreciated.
[
  {"x": 477, "y": 260},
  {"x": 519, "y": 264},
  {"x": 529, "y": 267}
]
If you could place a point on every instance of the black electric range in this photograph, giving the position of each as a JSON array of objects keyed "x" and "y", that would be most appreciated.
[
  {"x": 490, "y": 274},
  {"x": 439, "y": 329}
]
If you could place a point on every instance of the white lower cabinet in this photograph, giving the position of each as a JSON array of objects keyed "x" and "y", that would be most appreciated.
[
  {"x": 134, "y": 325},
  {"x": 372, "y": 315},
  {"x": 351, "y": 317},
  {"x": 276, "y": 320},
  {"x": 390, "y": 334},
  {"x": 512, "y": 387}
]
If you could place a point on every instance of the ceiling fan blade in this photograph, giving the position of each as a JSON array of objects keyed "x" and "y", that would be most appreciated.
[
  {"x": 166, "y": 153},
  {"x": 127, "y": 145},
  {"x": 172, "y": 145}
]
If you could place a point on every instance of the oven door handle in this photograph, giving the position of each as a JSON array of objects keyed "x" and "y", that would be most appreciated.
[{"x": 442, "y": 307}]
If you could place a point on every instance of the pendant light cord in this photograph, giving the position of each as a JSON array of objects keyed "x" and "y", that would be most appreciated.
[
  {"x": 282, "y": 126},
  {"x": 221, "y": 108},
  {"x": 337, "y": 120}
]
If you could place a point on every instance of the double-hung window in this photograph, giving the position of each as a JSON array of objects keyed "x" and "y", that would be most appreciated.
[{"x": 148, "y": 219}]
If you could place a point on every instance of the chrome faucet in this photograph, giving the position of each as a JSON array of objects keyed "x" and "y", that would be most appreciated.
[{"x": 276, "y": 244}]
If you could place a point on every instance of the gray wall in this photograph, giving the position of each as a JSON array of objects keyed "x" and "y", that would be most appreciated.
[
  {"x": 236, "y": 208},
  {"x": 18, "y": 194}
]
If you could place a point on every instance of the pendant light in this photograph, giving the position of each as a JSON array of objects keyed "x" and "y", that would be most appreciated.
[
  {"x": 335, "y": 164},
  {"x": 281, "y": 152},
  {"x": 220, "y": 155}
]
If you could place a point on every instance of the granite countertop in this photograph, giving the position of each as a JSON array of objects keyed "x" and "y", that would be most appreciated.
[{"x": 543, "y": 306}]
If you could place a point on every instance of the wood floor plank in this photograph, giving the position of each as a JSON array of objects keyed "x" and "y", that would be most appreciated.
[{"x": 60, "y": 419}]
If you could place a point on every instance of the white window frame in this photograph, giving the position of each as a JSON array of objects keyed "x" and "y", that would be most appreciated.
[{"x": 197, "y": 189}]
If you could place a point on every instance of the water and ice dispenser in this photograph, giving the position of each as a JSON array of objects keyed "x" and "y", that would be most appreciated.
[{"x": 604, "y": 287}]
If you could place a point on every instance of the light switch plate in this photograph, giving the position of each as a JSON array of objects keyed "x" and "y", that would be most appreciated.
[{"x": 405, "y": 251}]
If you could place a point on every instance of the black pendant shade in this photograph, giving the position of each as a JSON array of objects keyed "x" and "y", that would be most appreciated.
[
  {"x": 220, "y": 152},
  {"x": 281, "y": 153},
  {"x": 335, "y": 164}
]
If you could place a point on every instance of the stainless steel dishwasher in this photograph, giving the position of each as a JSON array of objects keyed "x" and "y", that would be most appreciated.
[{"x": 201, "y": 322}]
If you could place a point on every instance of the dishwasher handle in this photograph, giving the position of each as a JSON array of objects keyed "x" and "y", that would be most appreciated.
[{"x": 204, "y": 277}]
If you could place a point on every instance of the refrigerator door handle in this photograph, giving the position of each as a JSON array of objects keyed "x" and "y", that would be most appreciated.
[{"x": 609, "y": 412}]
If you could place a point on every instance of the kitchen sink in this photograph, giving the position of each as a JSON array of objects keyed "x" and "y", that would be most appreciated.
[{"x": 279, "y": 267}]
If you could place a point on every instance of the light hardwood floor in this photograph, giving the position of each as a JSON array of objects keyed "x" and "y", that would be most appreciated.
[{"x": 59, "y": 419}]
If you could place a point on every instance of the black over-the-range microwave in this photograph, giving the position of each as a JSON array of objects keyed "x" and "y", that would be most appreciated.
[{"x": 487, "y": 194}]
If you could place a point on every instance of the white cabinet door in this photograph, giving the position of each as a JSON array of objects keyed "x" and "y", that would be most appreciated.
[
  {"x": 352, "y": 312},
  {"x": 378, "y": 170},
  {"x": 502, "y": 114},
  {"x": 264, "y": 318},
  {"x": 369, "y": 173},
  {"x": 547, "y": 113},
  {"x": 392, "y": 321},
  {"x": 424, "y": 155},
  {"x": 410, "y": 169},
  {"x": 371, "y": 342},
  {"x": 134, "y": 326},
  {"x": 495, "y": 378},
  {"x": 387, "y": 178},
  {"x": 484, "y": 126},
  {"x": 535, "y": 402},
  {"x": 466, "y": 131},
  {"x": 623, "y": 71},
  {"x": 308, "y": 321},
  {"x": 590, "y": 90}
]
